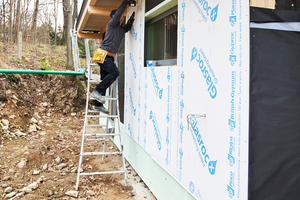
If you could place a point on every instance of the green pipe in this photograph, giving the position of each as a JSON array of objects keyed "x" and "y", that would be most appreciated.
[{"x": 17, "y": 71}]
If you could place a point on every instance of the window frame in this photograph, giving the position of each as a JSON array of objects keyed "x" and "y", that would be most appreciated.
[{"x": 152, "y": 21}]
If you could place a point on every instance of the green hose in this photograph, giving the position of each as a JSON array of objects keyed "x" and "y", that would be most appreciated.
[{"x": 16, "y": 71}]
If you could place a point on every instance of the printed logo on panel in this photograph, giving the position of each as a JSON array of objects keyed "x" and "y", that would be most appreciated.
[
  {"x": 232, "y": 17},
  {"x": 192, "y": 187},
  {"x": 231, "y": 120},
  {"x": 133, "y": 64},
  {"x": 232, "y": 56},
  {"x": 158, "y": 91},
  {"x": 156, "y": 129},
  {"x": 230, "y": 186},
  {"x": 206, "y": 11},
  {"x": 231, "y": 153},
  {"x": 131, "y": 102},
  {"x": 201, "y": 147},
  {"x": 206, "y": 70}
]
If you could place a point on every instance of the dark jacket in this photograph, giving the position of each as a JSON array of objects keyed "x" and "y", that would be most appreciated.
[{"x": 114, "y": 31}]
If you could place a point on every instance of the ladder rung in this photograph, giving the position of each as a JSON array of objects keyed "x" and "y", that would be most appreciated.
[
  {"x": 103, "y": 116},
  {"x": 98, "y": 139},
  {"x": 111, "y": 98},
  {"x": 93, "y": 115},
  {"x": 100, "y": 153},
  {"x": 95, "y": 125},
  {"x": 93, "y": 64},
  {"x": 103, "y": 134},
  {"x": 105, "y": 98},
  {"x": 99, "y": 173},
  {"x": 95, "y": 81}
]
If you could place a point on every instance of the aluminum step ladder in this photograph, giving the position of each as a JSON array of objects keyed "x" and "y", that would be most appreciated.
[{"x": 109, "y": 126}]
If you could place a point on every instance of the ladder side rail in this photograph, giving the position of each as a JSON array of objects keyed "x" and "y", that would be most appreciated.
[
  {"x": 107, "y": 123},
  {"x": 86, "y": 113},
  {"x": 119, "y": 128},
  {"x": 75, "y": 52}
]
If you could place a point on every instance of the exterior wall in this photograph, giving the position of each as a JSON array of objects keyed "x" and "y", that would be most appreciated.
[{"x": 208, "y": 156}]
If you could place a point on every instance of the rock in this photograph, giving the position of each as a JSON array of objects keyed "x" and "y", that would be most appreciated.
[
  {"x": 58, "y": 160},
  {"x": 74, "y": 170},
  {"x": 41, "y": 179},
  {"x": 60, "y": 166},
  {"x": 8, "y": 190},
  {"x": 72, "y": 193},
  {"x": 19, "y": 195},
  {"x": 5, "y": 122},
  {"x": 20, "y": 134},
  {"x": 22, "y": 163},
  {"x": 36, "y": 172},
  {"x": 33, "y": 185},
  {"x": 10, "y": 195},
  {"x": 44, "y": 104},
  {"x": 90, "y": 193},
  {"x": 12, "y": 117},
  {"x": 33, "y": 120},
  {"x": 45, "y": 167},
  {"x": 43, "y": 133},
  {"x": 73, "y": 114},
  {"x": 50, "y": 193},
  {"x": 5, "y": 128},
  {"x": 6, "y": 178},
  {"x": 26, "y": 189},
  {"x": 32, "y": 128},
  {"x": 4, "y": 185}
]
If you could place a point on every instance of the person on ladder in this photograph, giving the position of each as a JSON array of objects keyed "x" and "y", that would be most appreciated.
[{"x": 104, "y": 56}]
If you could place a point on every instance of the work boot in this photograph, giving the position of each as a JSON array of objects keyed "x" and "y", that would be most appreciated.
[
  {"x": 95, "y": 94},
  {"x": 101, "y": 109}
]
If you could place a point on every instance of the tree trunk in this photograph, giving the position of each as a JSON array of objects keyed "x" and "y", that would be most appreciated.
[
  {"x": 17, "y": 19},
  {"x": 3, "y": 17},
  {"x": 55, "y": 19},
  {"x": 75, "y": 12},
  {"x": 67, "y": 9},
  {"x": 10, "y": 20},
  {"x": 34, "y": 19}
]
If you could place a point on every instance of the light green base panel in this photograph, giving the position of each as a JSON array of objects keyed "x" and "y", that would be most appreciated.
[{"x": 159, "y": 181}]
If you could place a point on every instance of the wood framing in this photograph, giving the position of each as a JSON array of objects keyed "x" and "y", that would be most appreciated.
[
  {"x": 263, "y": 3},
  {"x": 94, "y": 17}
]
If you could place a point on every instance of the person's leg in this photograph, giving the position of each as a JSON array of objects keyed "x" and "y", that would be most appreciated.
[
  {"x": 112, "y": 74},
  {"x": 103, "y": 74}
]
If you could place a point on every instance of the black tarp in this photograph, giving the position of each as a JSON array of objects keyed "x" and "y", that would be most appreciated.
[{"x": 274, "y": 126}]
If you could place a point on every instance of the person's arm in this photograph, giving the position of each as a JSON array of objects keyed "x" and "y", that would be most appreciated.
[
  {"x": 128, "y": 26},
  {"x": 115, "y": 21}
]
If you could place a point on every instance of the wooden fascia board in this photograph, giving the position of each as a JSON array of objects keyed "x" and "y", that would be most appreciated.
[
  {"x": 100, "y": 10},
  {"x": 93, "y": 10},
  {"x": 90, "y": 35},
  {"x": 84, "y": 18},
  {"x": 93, "y": 2}
]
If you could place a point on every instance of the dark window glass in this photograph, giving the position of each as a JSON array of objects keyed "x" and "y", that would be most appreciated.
[
  {"x": 161, "y": 38},
  {"x": 152, "y": 3}
]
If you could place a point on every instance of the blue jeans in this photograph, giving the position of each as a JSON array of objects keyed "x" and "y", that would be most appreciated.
[{"x": 109, "y": 73}]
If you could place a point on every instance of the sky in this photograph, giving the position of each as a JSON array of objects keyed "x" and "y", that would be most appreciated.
[{"x": 60, "y": 18}]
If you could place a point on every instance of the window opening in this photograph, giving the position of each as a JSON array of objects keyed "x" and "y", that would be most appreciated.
[{"x": 161, "y": 38}]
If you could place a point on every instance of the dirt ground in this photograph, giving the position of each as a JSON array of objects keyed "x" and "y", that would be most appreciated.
[{"x": 41, "y": 120}]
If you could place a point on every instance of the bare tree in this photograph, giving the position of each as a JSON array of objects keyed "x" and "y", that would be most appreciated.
[
  {"x": 67, "y": 10},
  {"x": 75, "y": 12},
  {"x": 4, "y": 25},
  {"x": 55, "y": 20},
  {"x": 17, "y": 19},
  {"x": 11, "y": 3},
  {"x": 34, "y": 19}
]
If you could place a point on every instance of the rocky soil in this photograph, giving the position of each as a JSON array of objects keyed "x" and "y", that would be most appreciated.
[{"x": 41, "y": 119}]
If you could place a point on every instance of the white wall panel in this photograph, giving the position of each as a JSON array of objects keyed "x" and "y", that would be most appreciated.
[{"x": 208, "y": 155}]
